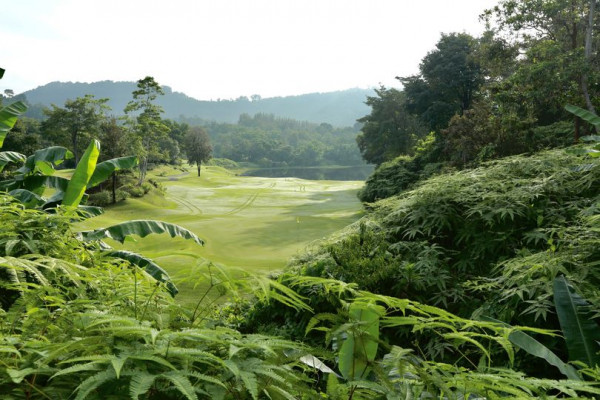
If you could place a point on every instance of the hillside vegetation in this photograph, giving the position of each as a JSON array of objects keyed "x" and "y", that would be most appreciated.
[{"x": 340, "y": 108}]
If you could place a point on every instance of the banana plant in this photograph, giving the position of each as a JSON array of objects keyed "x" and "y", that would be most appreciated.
[
  {"x": 9, "y": 115},
  {"x": 581, "y": 332},
  {"x": 594, "y": 150},
  {"x": 29, "y": 182}
]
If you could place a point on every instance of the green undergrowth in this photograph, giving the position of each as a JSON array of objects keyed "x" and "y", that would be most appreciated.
[{"x": 485, "y": 241}]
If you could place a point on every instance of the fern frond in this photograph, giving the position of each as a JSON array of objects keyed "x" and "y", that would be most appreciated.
[
  {"x": 94, "y": 382},
  {"x": 140, "y": 383},
  {"x": 182, "y": 383}
]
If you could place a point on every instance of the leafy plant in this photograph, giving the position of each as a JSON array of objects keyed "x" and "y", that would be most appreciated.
[{"x": 576, "y": 320}]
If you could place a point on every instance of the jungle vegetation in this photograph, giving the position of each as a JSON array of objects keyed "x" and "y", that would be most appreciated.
[{"x": 473, "y": 274}]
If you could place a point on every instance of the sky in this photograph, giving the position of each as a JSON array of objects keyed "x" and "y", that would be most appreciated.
[{"x": 211, "y": 49}]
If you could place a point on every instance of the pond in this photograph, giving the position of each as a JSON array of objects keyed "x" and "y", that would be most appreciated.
[{"x": 330, "y": 173}]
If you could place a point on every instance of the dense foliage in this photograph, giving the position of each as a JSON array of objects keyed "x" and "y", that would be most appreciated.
[
  {"x": 275, "y": 142},
  {"x": 487, "y": 242}
]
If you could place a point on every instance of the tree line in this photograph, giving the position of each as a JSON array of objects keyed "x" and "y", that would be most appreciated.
[{"x": 499, "y": 94}]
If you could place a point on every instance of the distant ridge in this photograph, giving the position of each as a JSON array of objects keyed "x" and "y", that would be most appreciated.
[{"x": 340, "y": 108}]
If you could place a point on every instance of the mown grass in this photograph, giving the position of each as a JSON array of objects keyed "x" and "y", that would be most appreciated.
[{"x": 248, "y": 222}]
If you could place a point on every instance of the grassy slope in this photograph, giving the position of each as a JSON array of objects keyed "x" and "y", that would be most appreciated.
[{"x": 248, "y": 222}]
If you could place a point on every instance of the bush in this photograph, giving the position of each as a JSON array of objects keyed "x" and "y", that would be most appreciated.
[
  {"x": 133, "y": 190},
  {"x": 100, "y": 199},
  {"x": 224, "y": 163},
  {"x": 104, "y": 198}
]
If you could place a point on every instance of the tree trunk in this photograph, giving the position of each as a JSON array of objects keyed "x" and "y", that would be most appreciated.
[
  {"x": 199, "y": 164},
  {"x": 114, "y": 188},
  {"x": 74, "y": 149},
  {"x": 588, "y": 57},
  {"x": 143, "y": 169}
]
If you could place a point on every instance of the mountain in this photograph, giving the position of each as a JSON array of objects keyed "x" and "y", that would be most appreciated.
[{"x": 340, "y": 108}]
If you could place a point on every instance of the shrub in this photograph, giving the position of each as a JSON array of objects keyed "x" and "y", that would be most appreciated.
[
  {"x": 100, "y": 199},
  {"x": 133, "y": 190},
  {"x": 224, "y": 162}
]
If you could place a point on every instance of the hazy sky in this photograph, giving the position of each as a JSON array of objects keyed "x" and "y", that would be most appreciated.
[{"x": 226, "y": 48}]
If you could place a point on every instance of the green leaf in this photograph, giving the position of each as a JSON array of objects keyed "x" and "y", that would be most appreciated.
[
  {"x": 8, "y": 157},
  {"x": 8, "y": 118},
  {"x": 117, "y": 364},
  {"x": 29, "y": 199},
  {"x": 81, "y": 176},
  {"x": 314, "y": 362},
  {"x": 182, "y": 383},
  {"x": 151, "y": 268},
  {"x": 141, "y": 228},
  {"x": 2, "y": 70},
  {"x": 93, "y": 382},
  {"x": 250, "y": 382},
  {"x": 54, "y": 154},
  {"x": 535, "y": 348},
  {"x": 85, "y": 212},
  {"x": 579, "y": 329},
  {"x": 584, "y": 114},
  {"x": 106, "y": 168},
  {"x": 17, "y": 375},
  {"x": 140, "y": 383},
  {"x": 359, "y": 348}
]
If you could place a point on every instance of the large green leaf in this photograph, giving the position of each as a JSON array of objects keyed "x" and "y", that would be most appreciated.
[
  {"x": 151, "y": 268},
  {"x": 27, "y": 198},
  {"x": 106, "y": 168},
  {"x": 54, "y": 154},
  {"x": 535, "y": 348},
  {"x": 85, "y": 212},
  {"x": 581, "y": 333},
  {"x": 8, "y": 118},
  {"x": 584, "y": 114},
  {"x": 8, "y": 157},
  {"x": 81, "y": 176},
  {"x": 359, "y": 348},
  {"x": 141, "y": 228}
]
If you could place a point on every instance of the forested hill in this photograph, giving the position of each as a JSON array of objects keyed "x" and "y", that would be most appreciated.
[{"x": 340, "y": 108}]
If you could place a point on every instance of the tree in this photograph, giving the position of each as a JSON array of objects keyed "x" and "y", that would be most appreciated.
[
  {"x": 556, "y": 37},
  {"x": 74, "y": 125},
  {"x": 449, "y": 79},
  {"x": 389, "y": 130},
  {"x": 197, "y": 147},
  {"x": 115, "y": 143},
  {"x": 148, "y": 127}
]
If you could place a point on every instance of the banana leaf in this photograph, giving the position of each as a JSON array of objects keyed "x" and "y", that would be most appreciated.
[
  {"x": 359, "y": 348},
  {"x": 8, "y": 157},
  {"x": 584, "y": 115},
  {"x": 581, "y": 333},
  {"x": 27, "y": 198},
  {"x": 54, "y": 154},
  {"x": 141, "y": 228},
  {"x": 106, "y": 168},
  {"x": 535, "y": 348},
  {"x": 151, "y": 268},
  {"x": 8, "y": 118},
  {"x": 83, "y": 172}
]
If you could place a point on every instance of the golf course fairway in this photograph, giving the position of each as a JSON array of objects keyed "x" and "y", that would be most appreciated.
[{"x": 248, "y": 222}]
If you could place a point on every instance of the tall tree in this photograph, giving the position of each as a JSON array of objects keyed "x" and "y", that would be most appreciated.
[
  {"x": 197, "y": 147},
  {"x": 449, "y": 77},
  {"x": 114, "y": 143},
  {"x": 557, "y": 65},
  {"x": 74, "y": 125},
  {"x": 389, "y": 130},
  {"x": 148, "y": 128}
]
